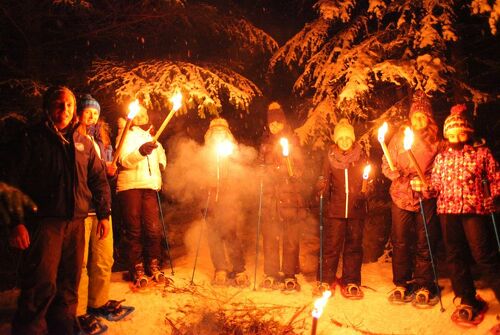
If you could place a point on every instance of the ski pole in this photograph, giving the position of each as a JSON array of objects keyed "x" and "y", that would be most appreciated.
[
  {"x": 165, "y": 236},
  {"x": 199, "y": 238},
  {"x": 493, "y": 221},
  {"x": 258, "y": 233},
  {"x": 430, "y": 252}
]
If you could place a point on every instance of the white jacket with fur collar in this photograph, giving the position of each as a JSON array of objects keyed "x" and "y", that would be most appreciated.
[{"x": 135, "y": 170}]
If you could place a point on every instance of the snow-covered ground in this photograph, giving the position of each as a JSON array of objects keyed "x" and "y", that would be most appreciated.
[{"x": 159, "y": 310}]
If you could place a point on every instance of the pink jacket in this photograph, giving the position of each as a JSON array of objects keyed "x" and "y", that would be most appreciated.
[{"x": 458, "y": 176}]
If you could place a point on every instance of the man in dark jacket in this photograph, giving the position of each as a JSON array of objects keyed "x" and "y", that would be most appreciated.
[{"x": 60, "y": 170}]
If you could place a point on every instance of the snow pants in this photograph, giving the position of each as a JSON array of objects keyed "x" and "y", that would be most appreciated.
[
  {"x": 49, "y": 277},
  {"x": 141, "y": 218},
  {"x": 410, "y": 256},
  {"x": 223, "y": 240},
  {"x": 274, "y": 231},
  {"x": 346, "y": 234},
  {"x": 462, "y": 233},
  {"x": 93, "y": 290}
]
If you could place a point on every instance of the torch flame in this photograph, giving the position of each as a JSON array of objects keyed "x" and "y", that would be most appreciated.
[
  {"x": 285, "y": 146},
  {"x": 382, "y": 131},
  {"x": 320, "y": 304},
  {"x": 408, "y": 140},
  {"x": 134, "y": 108},
  {"x": 225, "y": 148},
  {"x": 176, "y": 101},
  {"x": 366, "y": 171}
]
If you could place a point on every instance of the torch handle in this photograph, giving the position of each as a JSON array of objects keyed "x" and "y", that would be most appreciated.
[
  {"x": 387, "y": 156},
  {"x": 289, "y": 166},
  {"x": 364, "y": 185},
  {"x": 417, "y": 167},
  {"x": 122, "y": 140},
  {"x": 314, "y": 326},
  {"x": 163, "y": 125}
]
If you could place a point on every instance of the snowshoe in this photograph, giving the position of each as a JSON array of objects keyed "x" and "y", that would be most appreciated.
[
  {"x": 424, "y": 298},
  {"x": 112, "y": 310},
  {"x": 241, "y": 279},
  {"x": 466, "y": 315},
  {"x": 90, "y": 325},
  {"x": 156, "y": 274},
  {"x": 401, "y": 295},
  {"x": 271, "y": 283},
  {"x": 291, "y": 285},
  {"x": 352, "y": 291},
  {"x": 321, "y": 287},
  {"x": 220, "y": 278}
]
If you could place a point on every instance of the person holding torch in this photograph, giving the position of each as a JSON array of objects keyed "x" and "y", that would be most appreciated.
[
  {"x": 461, "y": 171},
  {"x": 141, "y": 162},
  {"x": 344, "y": 187},
  {"x": 225, "y": 218},
  {"x": 283, "y": 207},
  {"x": 412, "y": 267}
]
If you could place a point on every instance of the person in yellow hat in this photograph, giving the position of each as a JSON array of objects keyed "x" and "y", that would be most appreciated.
[{"x": 341, "y": 186}]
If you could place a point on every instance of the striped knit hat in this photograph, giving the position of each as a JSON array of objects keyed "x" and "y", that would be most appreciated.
[{"x": 457, "y": 120}]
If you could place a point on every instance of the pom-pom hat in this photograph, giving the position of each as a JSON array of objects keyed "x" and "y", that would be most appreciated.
[{"x": 457, "y": 121}]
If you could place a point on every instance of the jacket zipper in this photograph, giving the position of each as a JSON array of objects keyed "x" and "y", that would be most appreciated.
[{"x": 346, "y": 178}]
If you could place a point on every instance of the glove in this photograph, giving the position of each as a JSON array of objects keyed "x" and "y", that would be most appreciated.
[
  {"x": 417, "y": 185},
  {"x": 489, "y": 205},
  {"x": 147, "y": 148}
]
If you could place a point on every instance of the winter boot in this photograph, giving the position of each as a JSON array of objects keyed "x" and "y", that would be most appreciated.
[
  {"x": 241, "y": 279},
  {"x": 220, "y": 278},
  {"x": 291, "y": 284},
  {"x": 89, "y": 324},
  {"x": 470, "y": 312},
  {"x": 320, "y": 288},
  {"x": 139, "y": 277},
  {"x": 401, "y": 295},
  {"x": 352, "y": 291},
  {"x": 425, "y": 298},
  {"x": 156, "y": 274}
]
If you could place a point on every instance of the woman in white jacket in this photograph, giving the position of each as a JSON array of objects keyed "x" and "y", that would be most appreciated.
[{"x": 141, "y": 162}]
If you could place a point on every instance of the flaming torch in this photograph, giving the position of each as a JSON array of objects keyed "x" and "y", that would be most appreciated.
[
  {"x": 408, "y": 141},
  {"x": 224, "y": 149},
  {"x": 381, "y": 138},
  {"x": 176, "y": 101},
  {"x": 366, "y": 174},
  {"x": 319, "y": 305},
  {"x": 286, "y": 153},
  {"x": 133, "y": 108}
]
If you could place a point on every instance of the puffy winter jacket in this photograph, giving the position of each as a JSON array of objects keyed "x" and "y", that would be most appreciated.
[
  {"x": 59, "y": 172},
  {"x": 343, "y": 173},
  {"x": 401, "y": 193},
  {"x": 281, "y": 191},
  {"x": 137, "y": 171},
  {"x": 458, "y": 177}
]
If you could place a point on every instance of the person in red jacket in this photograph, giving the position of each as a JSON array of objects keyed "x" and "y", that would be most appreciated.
[
  {"x": 411, "y": 267},
  {"x": 341, "y": 185},
  {"x": 463, "y": 204}
]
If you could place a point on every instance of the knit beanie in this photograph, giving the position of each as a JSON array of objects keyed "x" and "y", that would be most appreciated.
[
  {"x": 343, "y": 128},
  {"x": 87, "y": 101},
  {"x": 457, "y": 120},
  {"x": 218, "y": 125},
  {"x": 275, "y": 113},
  {"x": 420, "y": 104}
]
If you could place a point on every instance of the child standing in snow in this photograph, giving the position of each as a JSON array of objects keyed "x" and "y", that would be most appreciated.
[
  {"x": 341, "y": 185},
  {"x": 412, "y": 268},
  {"x": 225, "y": 210},
  {"x": 463, "y": 205},
  {"x": 283, "y": 207}
]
